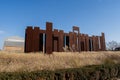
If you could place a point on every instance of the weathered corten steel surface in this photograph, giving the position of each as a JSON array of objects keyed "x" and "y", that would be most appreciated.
[
  {"x": 76, "y": 38},
  {"x": 94, "y": 47},
  {"x": 102, "y": 40},
  {"x": 87, "y": 42},
  {"x": 28, "y": 39},
  {"x": 97, "y": 43},
  {"x": 61, "y": 40},
  {"x": 55, "y": 40},
  {"x": 36, "y": 39},
  {"x": 49, "y": 40},
  {"x": 71, "y": 43},
  {"x": 75, "y": 41}
]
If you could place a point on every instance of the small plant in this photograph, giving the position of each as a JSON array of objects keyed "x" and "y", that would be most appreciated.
[{"x": 108, "y": 61}]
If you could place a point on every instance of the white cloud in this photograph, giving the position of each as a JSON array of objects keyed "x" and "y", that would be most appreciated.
[
  {"x": 15, "y": 40},
  {"x": 1, "y": 32}
]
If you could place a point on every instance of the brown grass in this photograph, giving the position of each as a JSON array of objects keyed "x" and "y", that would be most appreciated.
[{"x": 11, "y": 61}]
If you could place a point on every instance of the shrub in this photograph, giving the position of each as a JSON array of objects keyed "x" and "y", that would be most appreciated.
[{"x": 94, "y": 72}]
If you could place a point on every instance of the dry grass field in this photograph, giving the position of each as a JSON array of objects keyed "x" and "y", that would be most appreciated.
[{"x": 15, "y": 62}]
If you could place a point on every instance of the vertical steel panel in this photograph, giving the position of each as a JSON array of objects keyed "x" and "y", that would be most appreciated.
[
  {"x": 97, "y": 43},
  {"x": 36, "y": 39},
  {"x": 75, "y": 41},
  {"x": 103, "y": 36},
  {"x": 71, "y": 40},
  {"x": 79, "y": 42},
  {"x": 55, "y": 41},
  {"x": 28, "y": 39},
  {"x": 87, "y": 42},
  {"x": 48, "y": 38},
  {"x": 83, "y": 35},
  {"x": 102, "y": 41},
  {"x": 94, "y": 43},
  {"x": 61, "y": 40}
]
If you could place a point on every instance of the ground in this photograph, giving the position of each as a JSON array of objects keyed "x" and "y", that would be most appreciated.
[{"x": 15, "y": 62}]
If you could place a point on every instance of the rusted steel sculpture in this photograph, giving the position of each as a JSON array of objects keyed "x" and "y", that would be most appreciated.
[
  {"x": 28, "y": 39},
  {"x": 61, "y": 40},
  {"x": 49, "y": 40},
  {"x": 36, "y": 39}
]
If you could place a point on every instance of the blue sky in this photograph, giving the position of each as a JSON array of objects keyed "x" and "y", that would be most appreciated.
[{"x": 92, "y": 16}]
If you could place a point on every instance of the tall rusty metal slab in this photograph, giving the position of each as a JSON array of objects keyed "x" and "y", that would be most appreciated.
[
  {"x": 61, "y": 40},
  {"x": 75, "y": 41},
  {"x": 97, "y": 44},
  {"x": 71, "y": 43},
  {"x": 87, "y": 42},
  {"x": 103, "y": 36},
  {"x": 32, "y": 40},
  {"x": 48, "y": 38},
  {"x": 80, "y": 36},
  {"x": 83, "y": 35},
  {"x": 82, "y": 42},
  {"x": 94, "y": 43},
  {"x": 79, "y": 42},
  {"x": 28, "y": 39},
  {"x": 55, "y": 40},
  {"x": 75, "y": 28},
  {"x": 102, "y": 41},
  {"x": 36, "y": 39}
]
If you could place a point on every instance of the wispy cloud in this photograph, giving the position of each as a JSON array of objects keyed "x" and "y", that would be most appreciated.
[{"x": 2, "y": 32}]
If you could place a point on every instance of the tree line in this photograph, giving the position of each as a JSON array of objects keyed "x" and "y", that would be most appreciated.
[{"x": 113, "y": 46}]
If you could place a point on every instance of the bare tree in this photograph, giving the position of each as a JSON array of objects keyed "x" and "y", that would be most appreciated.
[{"x": 112, "y": 45}]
